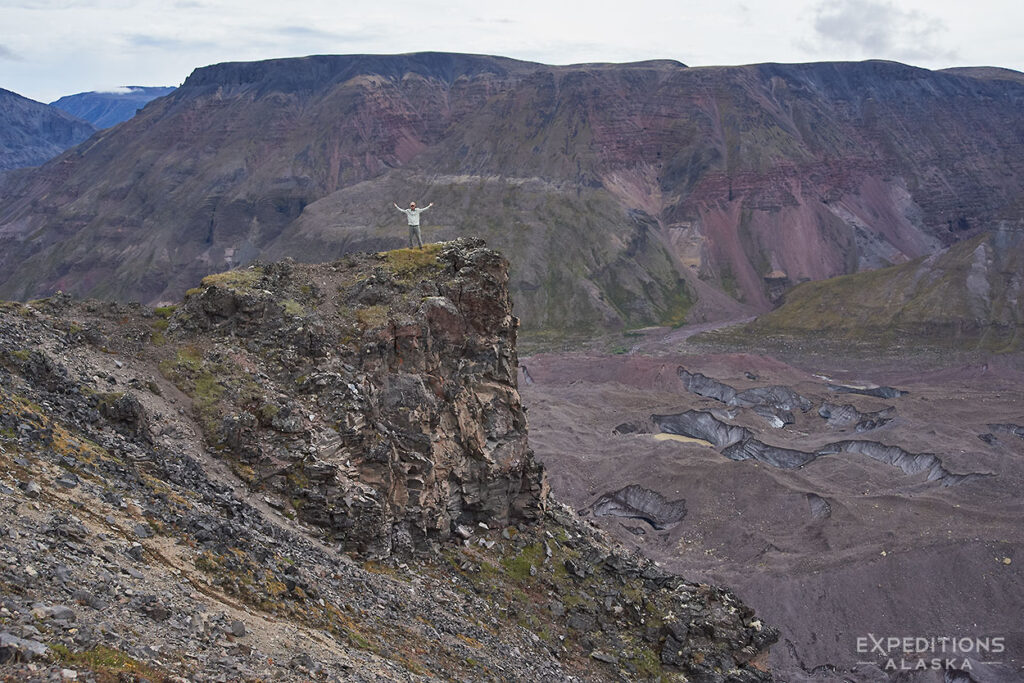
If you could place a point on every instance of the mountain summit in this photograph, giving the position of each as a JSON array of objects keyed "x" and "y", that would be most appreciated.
[{"x": 624, "y": 194}]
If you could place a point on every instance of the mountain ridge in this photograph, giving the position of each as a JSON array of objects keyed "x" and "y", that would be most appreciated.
[
  {"x": 662, "y": 193},
  {"x": 32, "y": 133},
  {"x": 107, "y": 108},
  {"x": 967, "y": 296}
]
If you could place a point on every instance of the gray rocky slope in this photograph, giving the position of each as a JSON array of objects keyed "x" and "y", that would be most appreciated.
[
  {"x": 32, "y": 132},
  {"x": 313, "y": 473}
]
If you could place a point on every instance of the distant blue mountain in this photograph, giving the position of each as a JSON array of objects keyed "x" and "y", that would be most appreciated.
[
  {"x": 32, "y": 132},
  {"x": 107, "y": 108}
]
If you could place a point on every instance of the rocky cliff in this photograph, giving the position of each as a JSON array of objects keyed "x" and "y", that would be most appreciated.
[
  {"x": 625, "y": 194},
  {"x": 313, "y": 472},
  {"x": 32, "y": 132},
  {"x": 338, "y": 389}
]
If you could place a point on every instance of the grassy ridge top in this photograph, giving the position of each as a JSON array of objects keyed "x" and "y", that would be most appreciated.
[{"x": 967, "y": 297}]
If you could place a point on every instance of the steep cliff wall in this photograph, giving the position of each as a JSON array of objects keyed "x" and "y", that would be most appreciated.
[{"x": 376, "y": 395}]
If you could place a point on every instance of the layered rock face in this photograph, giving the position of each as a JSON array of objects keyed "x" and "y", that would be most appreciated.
[
  {"x": 388, "y": 411},
  {"x": 626, "y": 194}
]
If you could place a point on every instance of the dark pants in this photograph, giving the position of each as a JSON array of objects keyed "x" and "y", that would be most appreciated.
[{"x": 414, "y": 234}]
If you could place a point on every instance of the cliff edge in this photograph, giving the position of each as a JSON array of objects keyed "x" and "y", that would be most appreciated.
[
  {"x": 376, "y": 395},
  {"x": 313, "y": 473}
]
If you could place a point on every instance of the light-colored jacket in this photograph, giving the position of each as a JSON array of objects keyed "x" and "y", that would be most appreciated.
[{"x": 413, "y": 214}]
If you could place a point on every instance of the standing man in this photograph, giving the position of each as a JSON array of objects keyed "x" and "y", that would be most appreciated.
[{"x": 413, "y": 214}]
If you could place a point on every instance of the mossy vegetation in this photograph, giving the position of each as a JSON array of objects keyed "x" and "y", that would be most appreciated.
[
  {"x": 408, "y": 262},
  {"x": 956, "y": 301},
  {"x": 527, "y": 574},
  {"x": 372, "y": 317},
  {"x": 108, "y": 665},
  {"x": 236, "y": 280},
  {"x": 729, "y": 283},
  {"x": 677, "y": 305},
  {"x": 263, "y": 584},
  {"x": 207, "y": 383},
  {"x": 518, "y": 566},
  {"x": 293, "y": 307}
]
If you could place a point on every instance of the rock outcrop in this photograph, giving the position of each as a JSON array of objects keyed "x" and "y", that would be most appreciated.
[
  {"x": 388, "y": 413},
  {"x": 316, "y": 472}
]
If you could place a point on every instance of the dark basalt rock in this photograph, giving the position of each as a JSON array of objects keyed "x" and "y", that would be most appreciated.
[
  {"x": 637, "y": 502},
  {"x": 431, "y": 433},
  {"x": 42, "y": 369},
  {"x": 127, "y": 414}
]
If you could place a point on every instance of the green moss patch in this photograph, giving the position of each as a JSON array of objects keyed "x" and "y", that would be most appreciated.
[
  {"x": 238, "y": 280},
  {"x": 108, "y": 665},
  {"x": 406, "y": 262}
]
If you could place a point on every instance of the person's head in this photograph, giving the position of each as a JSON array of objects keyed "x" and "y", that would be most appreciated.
[{"x": 412, "y": 205}]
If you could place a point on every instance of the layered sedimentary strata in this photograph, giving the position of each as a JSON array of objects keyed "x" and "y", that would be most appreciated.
[{"x": 629, "y": 194}]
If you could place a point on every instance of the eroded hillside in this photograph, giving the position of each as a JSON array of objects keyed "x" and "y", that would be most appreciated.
[
  {"x": 626, "y": 194},
  {"x": 969, "y": 296}
]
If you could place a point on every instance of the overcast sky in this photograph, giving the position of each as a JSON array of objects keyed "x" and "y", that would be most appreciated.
[{"x": 50, "y": 48}]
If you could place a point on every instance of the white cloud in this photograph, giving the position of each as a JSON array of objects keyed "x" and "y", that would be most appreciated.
[
  {"x": 67, "y": 46},
  {"x": 880, "y": 29},
  {"x": 121, "y": 90}
]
